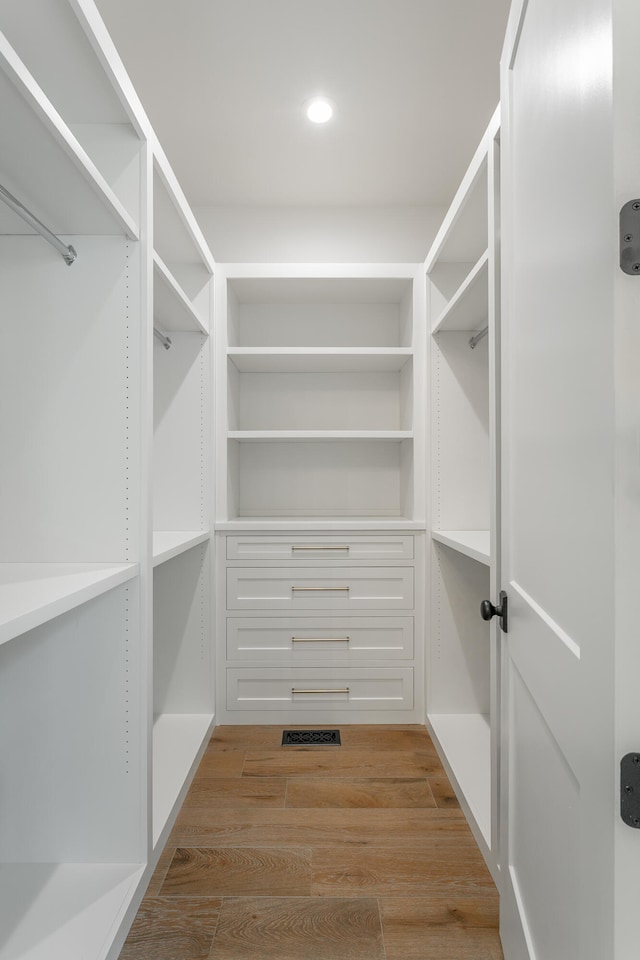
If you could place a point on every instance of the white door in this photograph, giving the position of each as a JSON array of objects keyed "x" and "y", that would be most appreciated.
[{"x": 570, "y": 480}]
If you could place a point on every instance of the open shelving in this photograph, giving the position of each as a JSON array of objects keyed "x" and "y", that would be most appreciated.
[
  {"x": 318, "y": 387},
  {"x": 182, "y": 271},
  {"x": 462, "y": 698},
  {"x": 91, "y": 789},
  {"x": 73, "y": 839},
  {"x": 182, "y": 665}
]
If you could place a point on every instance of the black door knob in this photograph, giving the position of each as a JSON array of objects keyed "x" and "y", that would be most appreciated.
[{"x": 488, "y": 610}]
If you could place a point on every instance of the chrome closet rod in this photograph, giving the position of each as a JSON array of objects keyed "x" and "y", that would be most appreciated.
[
  {"x": 68, "y": 253},
  {"x": 475, "y": 340},
  {"x": 165, "y": 341}
]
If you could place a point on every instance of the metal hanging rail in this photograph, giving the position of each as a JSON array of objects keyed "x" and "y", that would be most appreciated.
[
  {"x": 475, "y": 340},
  {"x": 69, "y": 255},
  {"x": 164, "y": 340}
]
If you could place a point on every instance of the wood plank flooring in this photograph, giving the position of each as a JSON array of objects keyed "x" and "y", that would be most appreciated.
[{"x": 351, "y": 852}]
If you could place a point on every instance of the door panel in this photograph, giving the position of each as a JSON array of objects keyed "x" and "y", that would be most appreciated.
[
  {"x": 545, "y": 816},
  {"x": 557, "y": 798}
]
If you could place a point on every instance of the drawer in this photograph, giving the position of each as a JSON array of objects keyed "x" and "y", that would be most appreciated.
[
  {"x": 320, "y": 548},
  {"x": 306, "y": 588},
  {"x": 290, "y": 640},
  {"x": 300, "y": 691}
]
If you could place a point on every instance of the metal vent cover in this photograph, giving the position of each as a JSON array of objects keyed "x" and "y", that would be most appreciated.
[{"x": 304, "y": 737}]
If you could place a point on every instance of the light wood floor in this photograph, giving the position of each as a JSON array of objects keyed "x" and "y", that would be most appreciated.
[{"x": 351, "y": 852}]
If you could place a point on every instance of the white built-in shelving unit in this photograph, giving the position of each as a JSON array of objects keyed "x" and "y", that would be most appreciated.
[
  {"x": 317, "y": 395},
  {"x": 462, "y": 682},
  {"x": 89, "y": 782},
  {"x": 320, "y": 492}
]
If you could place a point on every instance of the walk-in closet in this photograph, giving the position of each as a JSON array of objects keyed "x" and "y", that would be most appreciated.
[{"x": 319, "y": 416}]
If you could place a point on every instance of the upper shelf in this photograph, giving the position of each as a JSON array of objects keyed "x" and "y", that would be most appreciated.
[
  {"x": 183, "y": 264},
  {"x": 462, "y": 238},
  {"x": 91, "y": 108},
  {"x": 319, "y": 360},
  {"x": 468, "y": 307},
  {"x": 33, "y": 593},
  {"x": 319, "y": 313},
  {"x": 171, "y": 306},
  {"x": 45, "y": 166}
]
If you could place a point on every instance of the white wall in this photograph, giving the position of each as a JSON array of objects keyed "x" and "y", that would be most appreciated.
[{"x": 319, "y": 234}]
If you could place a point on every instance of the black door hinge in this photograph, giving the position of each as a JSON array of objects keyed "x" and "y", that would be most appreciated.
[
  {"x": 630, "y": 789},
  {"x": 630, "y": 238}
]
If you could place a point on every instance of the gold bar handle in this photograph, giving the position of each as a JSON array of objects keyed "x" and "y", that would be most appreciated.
[
  {"x": 320, "y": 588},
  {"x": 295, "y": 546},
  {"x": 335, "y": 690},
  {"x": 320, "y": 639}
]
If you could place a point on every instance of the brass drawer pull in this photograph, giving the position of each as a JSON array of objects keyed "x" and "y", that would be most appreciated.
[
  {"x": 335, "y": 690},
  {"x": 321, "y": 588},
  {"x": 295, "y": 546},
  {"x": 320, "y": 639}
]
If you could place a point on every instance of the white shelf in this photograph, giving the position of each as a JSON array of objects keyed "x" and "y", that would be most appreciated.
[
  {"x": 315, "y": 523},
  {"x": 61, "y": 184},
  {"x": 468, "y": 308},
  {"x": 33, "y": 593},
  {"x": 171, "y": 543},
  {"x": 178, "y": 743},
  {"x": 472, "y": 543},
  {"x": 73, "y": 910},
  {"x": 465, "y": 742},
  {"x": 325, "y": 360},
  {"x": 266, "y": 435},
  {"x": 171, "y": 307}
]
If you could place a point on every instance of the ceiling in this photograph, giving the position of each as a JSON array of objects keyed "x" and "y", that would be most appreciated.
[{"x": 415, "y": 83}]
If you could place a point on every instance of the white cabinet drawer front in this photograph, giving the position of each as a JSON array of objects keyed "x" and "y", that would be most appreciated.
[
  {"x": 337, "y": 588},
  {"x": 320, "y": 548},
  {"x": 303, "y": 690},
  {"x": 292, "y": 640}
]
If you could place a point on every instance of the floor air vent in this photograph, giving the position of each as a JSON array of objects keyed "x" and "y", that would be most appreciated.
[{"x": 298, "y": 737}]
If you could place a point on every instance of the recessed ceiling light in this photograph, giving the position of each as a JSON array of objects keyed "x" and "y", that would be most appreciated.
[{"x": 319, "y": 109}]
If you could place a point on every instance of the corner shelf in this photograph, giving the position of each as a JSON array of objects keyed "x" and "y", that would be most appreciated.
[
  {"x": 34, "y": 593},
  {"x": 463, "y": 711}
]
